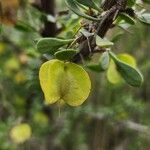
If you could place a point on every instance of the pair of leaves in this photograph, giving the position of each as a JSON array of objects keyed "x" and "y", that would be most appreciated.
[
  {"x": 52, "y": 46},
  {"x": 64, "y": 81},
  {"x": 73, "y": 5},
  {"x": 126, "y": 70},
  {"x": 102, "y": 65}
]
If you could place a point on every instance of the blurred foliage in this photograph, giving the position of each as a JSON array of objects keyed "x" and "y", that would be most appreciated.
[{"x": 95, "y": 125}]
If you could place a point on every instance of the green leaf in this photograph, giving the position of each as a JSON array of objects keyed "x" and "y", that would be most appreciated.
[
  {"x": 131, "y": 75},
  {"x": 22, "y": 26},
  {"x": 86, "y": 33},
  {"x": 89, "y": 3},
  {"x": 51, "y": 45},
  {"x": 94, "y": 67},
  {"x": 127, "y": 18},
  {"x": 104, "y": 61},
  {"x": 102, "y": 65},
  {"x": 72, "y": 5},
  {"x": 103, "y": 43},
  {"x": 144, "y": 18},
  {"x": 66, "y": 54}
]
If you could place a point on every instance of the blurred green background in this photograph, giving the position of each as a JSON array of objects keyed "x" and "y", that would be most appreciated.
[{"x": 115, "y": 117}]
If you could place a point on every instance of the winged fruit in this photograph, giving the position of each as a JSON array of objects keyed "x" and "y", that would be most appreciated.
[{"x": 65, "y": 81}]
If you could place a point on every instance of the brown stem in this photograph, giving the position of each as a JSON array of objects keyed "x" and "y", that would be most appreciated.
[
  {"x": 108, "y": 4},
  {"x": 48, "y": 6},
  {"x": 102, "y": 28}
]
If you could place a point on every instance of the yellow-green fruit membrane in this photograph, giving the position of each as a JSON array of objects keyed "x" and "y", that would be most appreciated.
[
  {"x": 130, "y": 60},
  {"x": 64, "y": 81},
  {"x": 20, "y": 133},
  {"x": 113, "y": 75}
]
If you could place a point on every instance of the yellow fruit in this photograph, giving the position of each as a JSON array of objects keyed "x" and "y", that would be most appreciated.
[
  {"x": 113, "y": 75},
  {"x": 128, "y": 59},
  {"x": 41, "y": 118},
  {"x": 20, "y": 133},
  {"x": 64, "y": 81}
]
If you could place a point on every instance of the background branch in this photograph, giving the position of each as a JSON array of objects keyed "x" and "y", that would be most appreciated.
[{"x": 126, "y": 124}]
